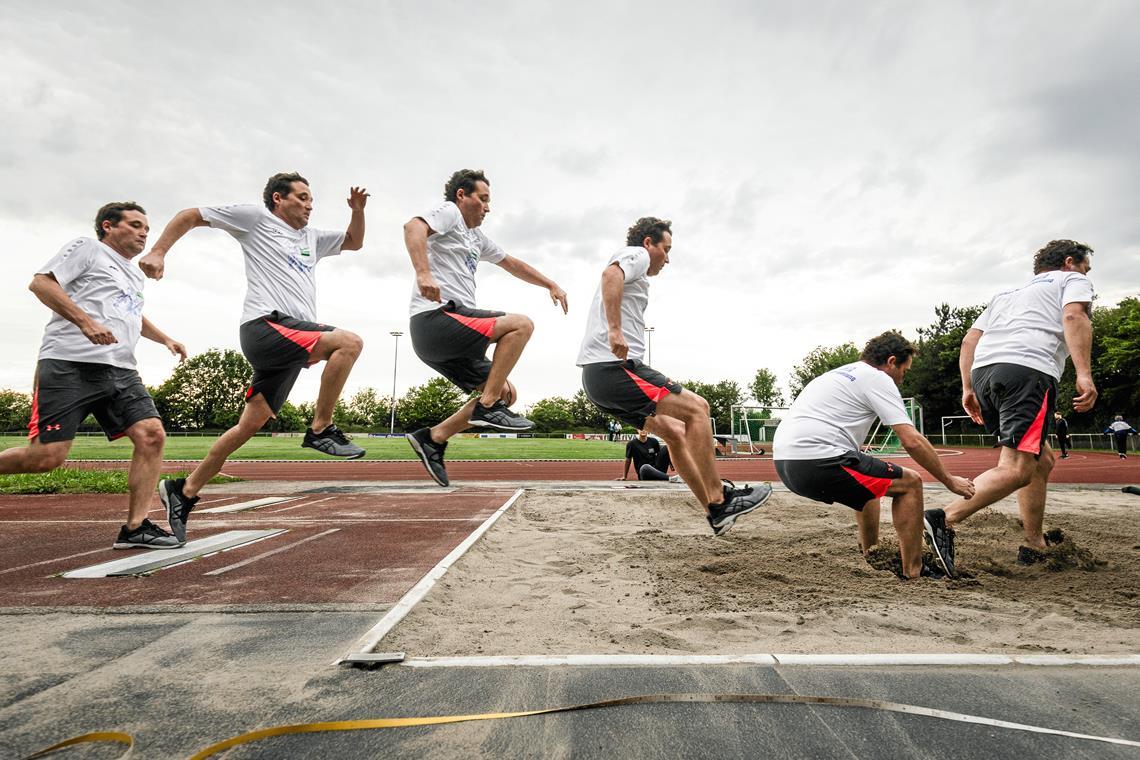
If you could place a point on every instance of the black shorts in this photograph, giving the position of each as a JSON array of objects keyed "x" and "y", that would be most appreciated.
[
  {"x": 453, "y": 341},
  {"x": 627, "y": 390},
  {"x": 66, "y": 392},
  {"x": 1017, "y": 404},
  {"x": 279, "y": 347},
  {"x": 852, "y": 479}
]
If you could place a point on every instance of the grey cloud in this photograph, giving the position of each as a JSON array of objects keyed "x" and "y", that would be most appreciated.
[{"x": 580, "y": 162}]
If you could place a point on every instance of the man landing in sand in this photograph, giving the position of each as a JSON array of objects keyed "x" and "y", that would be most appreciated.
[{"x": 620, "y": 384}]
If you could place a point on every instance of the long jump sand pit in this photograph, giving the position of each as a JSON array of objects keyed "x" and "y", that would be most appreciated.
[{"x": 636, "y": 572}]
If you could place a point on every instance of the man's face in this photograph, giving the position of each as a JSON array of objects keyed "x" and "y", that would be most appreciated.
[
  {"x": 294, "y": 209},
  {"x": 658, "y": 252},
  {"x": 474, "y": 206},
  {"x": 128, "y": 235},
  {"x": 642, "y": 435},
  {"x": 897, "y": 371}
]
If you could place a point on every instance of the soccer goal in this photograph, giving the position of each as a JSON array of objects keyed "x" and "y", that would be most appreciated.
[
  {"x": 882, "y": 439},
  {"x": 753, "y": 427}
]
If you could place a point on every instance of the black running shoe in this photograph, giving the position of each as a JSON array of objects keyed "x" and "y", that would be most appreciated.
[
  {"x": 940, "y": 538},
  {"x": 927, "y": 572},
  {"x": 737, "y": 502},
  {"x": 146, "y": 536},
  {"x": 332, "y": 442},
  {"x": 498, "y": 416},
  {"x": 431, "y": 454},
  {"x": 178, "y": 505}
]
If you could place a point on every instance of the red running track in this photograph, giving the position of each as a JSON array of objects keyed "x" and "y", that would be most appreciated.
[{"x": 1078, "y": 468}]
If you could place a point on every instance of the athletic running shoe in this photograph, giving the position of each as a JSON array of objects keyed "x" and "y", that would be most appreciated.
[
  {"x": 431, "y": 454},
  {"x": 940, "y": 538},
  {"x": 927, "y": 572},
  {"x": 178, "y": 505},
  {"x": 498, "y": 416},
  {"x": 737, "y": 502},
  {"x": 1027, "y": 555},
  {"x": 146, "y": 536},
  {"x": 332, "y": 442}
]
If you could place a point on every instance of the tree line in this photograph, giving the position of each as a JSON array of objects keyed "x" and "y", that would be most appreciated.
[{"x": 207, "y": 391}]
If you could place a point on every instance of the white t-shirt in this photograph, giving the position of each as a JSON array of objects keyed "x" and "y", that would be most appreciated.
[
  {"x": 454, "y": 252},
  {"x": 1119, "y": 426},
  {"x": 634, "y": 264},
  {"x": 109, "y": 288},
  {"x": 1025, "y": 326},
  {"x": 832, "y": 415},
  {"x": 280, "y": 262}
]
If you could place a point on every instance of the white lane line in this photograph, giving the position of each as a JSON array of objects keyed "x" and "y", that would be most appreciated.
[
  {"x": 372, "y": 637},
  {"x": 967, "y": 660},
  {"x": 147, "y": 560},
  {"x": 270, "y": 553},
  {"x": 242, "y": 506},
  {"x": 295, "y": 506},
  {"x": 50, "y": 561}
]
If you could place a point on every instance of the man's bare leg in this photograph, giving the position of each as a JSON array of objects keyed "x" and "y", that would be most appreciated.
[
  {"x": 1031, "y": 501},
  {"x": 253, "y": 418},
  {"x": 339, "y": 350},
  {"x": 692, "y": 446},
  {"x": 1014, "y": 470},
  {"x": 868, "y": 522},
  {"x": 906, "y": 516},
  {"x": 512, "y": 333},
  {"x": 35, "y": 457},
  {"x": 149, "y": 439}
]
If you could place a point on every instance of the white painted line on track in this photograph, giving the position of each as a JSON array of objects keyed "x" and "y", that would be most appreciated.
[
  {"x": 242, "y": 506},
  {"x": 50, "y": 561},
  {"x": 295, "y": 506},
  {"x": 372, "y": 637},
  {"x": 269, "y": 553},
  {"x": 146, "y": 560},
  {"x": 1129, "y": 660}
]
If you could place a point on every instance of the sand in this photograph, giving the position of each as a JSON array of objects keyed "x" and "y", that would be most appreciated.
[{"x": 636, "y": 572}]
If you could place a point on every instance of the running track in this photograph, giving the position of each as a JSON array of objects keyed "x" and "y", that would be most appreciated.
[{"x": 1079, "y": 468}]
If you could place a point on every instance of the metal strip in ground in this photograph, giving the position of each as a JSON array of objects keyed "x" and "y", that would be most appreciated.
[
  {"x": 155, "y": 559},
  {"x": 372, "y": 637},
  {"x": 269, "y": 553},
  {"x": 244, "y": 505},
  {"x": 1127, "y": 660}
]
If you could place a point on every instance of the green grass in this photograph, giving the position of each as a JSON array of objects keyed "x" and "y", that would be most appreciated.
[
  {"x": 265, "y": 447},
  {"x": 65, "y": 480}
]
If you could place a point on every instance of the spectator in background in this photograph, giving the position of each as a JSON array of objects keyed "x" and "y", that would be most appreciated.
[
  {"x": 1061, "y": 426},
  {"x": 649, "y": 456},
  {"x": 1120, "y": 430}
]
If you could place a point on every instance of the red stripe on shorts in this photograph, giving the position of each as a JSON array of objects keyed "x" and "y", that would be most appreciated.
[
  {"x": 1031, "y": 441},
  {"x": 484, "y": 325},
  {"x": 877, "y": 486},
  {"x": 303, "y": 338},
  {"x": 34, "y": 422},
  {"x": 654, "y": 393}
]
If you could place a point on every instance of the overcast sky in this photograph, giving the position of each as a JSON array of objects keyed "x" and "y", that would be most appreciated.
[{"x": 832, "y": 169}]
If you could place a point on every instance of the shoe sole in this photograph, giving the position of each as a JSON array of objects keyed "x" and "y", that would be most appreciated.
[
  {"x": 497, "y": 426},
  {"x": 725, "y": 526},
  {"x": 733, "y": 517},
  {"x": 928, "y": 530},
  {"x": 164, "y": 497},
  {"x": 411, "y": 439},
  {"x": 331, "y": 454}
]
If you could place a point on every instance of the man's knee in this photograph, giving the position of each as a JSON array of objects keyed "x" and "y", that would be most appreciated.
[
  {"x": 910, "y": 480},
  {"x": 524, "y": 325},
  {"x": 148, "y": 435},
  {"x": 351, "y": 343}
]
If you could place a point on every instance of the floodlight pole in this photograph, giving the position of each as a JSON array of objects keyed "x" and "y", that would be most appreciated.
[
  {"x": 395, "y": 361},
  {"x": 649, "y": 352}
]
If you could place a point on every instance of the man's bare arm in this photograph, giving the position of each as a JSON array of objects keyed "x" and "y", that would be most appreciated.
[
  {"x": 965, "y": 363},
  {"x": 613, "y": 285},
  {"x": 1078, "y": 337},
  {"x": 150, "y": 332},
  {"x": 416, "y": 233},
  {"x": 354, "y": 235},
  {"x": 53, "y": 296},
  {"x": 922, "y": 452},
  {"x": 527, "y": 273},
  {"x": 154, "y": 263}
]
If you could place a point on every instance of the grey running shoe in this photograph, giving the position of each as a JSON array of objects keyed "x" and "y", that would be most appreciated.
[
  {"x": 332, "y": 442},
  {"x": 498, "y": 416},
  {"x": 737, "y": 502},
  {"x": 940, "y": 538},
  {"x": 431, "y": 454},
  {"x": 146, "y": 536},
  {"x": 178, "y": 505}
]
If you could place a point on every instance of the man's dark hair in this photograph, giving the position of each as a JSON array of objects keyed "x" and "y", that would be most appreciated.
[
  {"x": 1052, "y": 256},
  {"x": 648, "y": 227},
  {"x": 464, "y": 180},
  {"x": 281, "y": 182},
  {"x": 113, "y": 213},
  {"x": 883, "y": 347}
]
